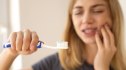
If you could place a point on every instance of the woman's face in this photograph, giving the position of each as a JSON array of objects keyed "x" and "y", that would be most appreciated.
[{"x": 88, "y": 17}]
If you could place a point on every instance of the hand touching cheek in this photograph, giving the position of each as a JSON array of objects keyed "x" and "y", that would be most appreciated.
[{"x": 106, "y": 49}]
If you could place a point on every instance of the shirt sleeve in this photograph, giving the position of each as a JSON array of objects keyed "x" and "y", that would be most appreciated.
[{"x": 46, "y": 63}]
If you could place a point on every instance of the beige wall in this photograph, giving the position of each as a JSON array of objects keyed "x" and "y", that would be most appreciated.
[
  {"x": 47, "y": 18},
  {"x": 3, "y": 21},
  {"x": 123, "y": 4}
]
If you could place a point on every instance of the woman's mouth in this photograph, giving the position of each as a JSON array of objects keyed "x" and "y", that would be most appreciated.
[{"x": 89, "y": 31}]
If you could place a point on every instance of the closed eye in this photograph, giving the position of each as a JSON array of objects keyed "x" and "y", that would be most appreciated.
[
  {"x": 78, "y": 13},
  {"x": 98, "y": 11}
]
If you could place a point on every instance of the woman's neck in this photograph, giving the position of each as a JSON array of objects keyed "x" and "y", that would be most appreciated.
[{"x": 90, "y": 53}]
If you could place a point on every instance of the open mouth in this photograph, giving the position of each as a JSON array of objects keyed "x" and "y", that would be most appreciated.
[{"x": 89, "y": 31}]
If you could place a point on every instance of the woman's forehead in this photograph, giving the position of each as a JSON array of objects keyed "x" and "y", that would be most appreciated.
[{"x": 87, "y": 3}]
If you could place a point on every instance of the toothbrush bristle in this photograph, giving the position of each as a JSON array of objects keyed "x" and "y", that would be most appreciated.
[{"x": 62, "y": 44}]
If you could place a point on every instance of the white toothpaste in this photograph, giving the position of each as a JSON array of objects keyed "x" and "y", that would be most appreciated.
[{"x": 59, "y": 45}]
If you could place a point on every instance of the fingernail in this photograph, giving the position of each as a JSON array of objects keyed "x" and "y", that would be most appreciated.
[
  {"x": 98, "y": 31},
  {"x": 101, "y": 27},
  {"x": 107, "y": 25}
]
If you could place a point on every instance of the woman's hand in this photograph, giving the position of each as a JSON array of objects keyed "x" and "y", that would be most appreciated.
[
  {"x": 106, "y": 49},
  {"x": 23, "y": 42}
]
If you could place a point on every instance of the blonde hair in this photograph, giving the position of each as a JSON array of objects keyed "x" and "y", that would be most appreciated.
[{"x": 71, "y": 59}]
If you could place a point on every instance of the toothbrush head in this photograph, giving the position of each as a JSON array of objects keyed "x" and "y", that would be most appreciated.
[{"x": 62, "y": 44}]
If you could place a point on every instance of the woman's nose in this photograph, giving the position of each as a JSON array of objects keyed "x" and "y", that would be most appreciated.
[{"x": 87, "y": 18}]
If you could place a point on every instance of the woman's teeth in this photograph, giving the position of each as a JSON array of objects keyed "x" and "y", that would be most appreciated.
[{"x": 90, "y": 31}]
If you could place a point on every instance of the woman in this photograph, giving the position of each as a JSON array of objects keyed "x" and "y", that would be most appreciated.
[{"x": 94, "y": 33}]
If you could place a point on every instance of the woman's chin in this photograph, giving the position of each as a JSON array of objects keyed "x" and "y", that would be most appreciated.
[{"x": 89, "y": 41}]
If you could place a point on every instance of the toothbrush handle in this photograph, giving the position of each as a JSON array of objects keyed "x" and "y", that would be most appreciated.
[{"x": 8, "y": 45}]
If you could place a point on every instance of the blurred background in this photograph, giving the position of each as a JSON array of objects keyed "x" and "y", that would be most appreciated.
[{"x": 46, "y": 17}]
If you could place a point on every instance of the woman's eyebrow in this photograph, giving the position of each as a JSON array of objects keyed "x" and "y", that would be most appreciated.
[
  {"x": 93, "y": 6},
  {"x": 98, "y": 5},
  {"x": 78, "y": 7}
]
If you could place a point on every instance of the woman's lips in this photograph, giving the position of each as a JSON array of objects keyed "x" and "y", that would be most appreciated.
[{"x": 89, "y": 31}]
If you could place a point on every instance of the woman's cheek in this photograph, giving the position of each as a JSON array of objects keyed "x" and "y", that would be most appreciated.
[{"x": 101, "y": 21}]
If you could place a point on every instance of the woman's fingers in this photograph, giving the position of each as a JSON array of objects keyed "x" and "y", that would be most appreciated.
[
  {"x": 12, "y": 39},
  {"x": 26, "y": 40},
  {"x": 106, "y": 38},
  {"x": 98, "y": 41},
  {"x": 19, "y": 41},
  {"x": 108, "y": 50},
  {"x": 34, "y": 41},
  {"x": 112, "y": 41},
  {"x": 111, "y": 36}
]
